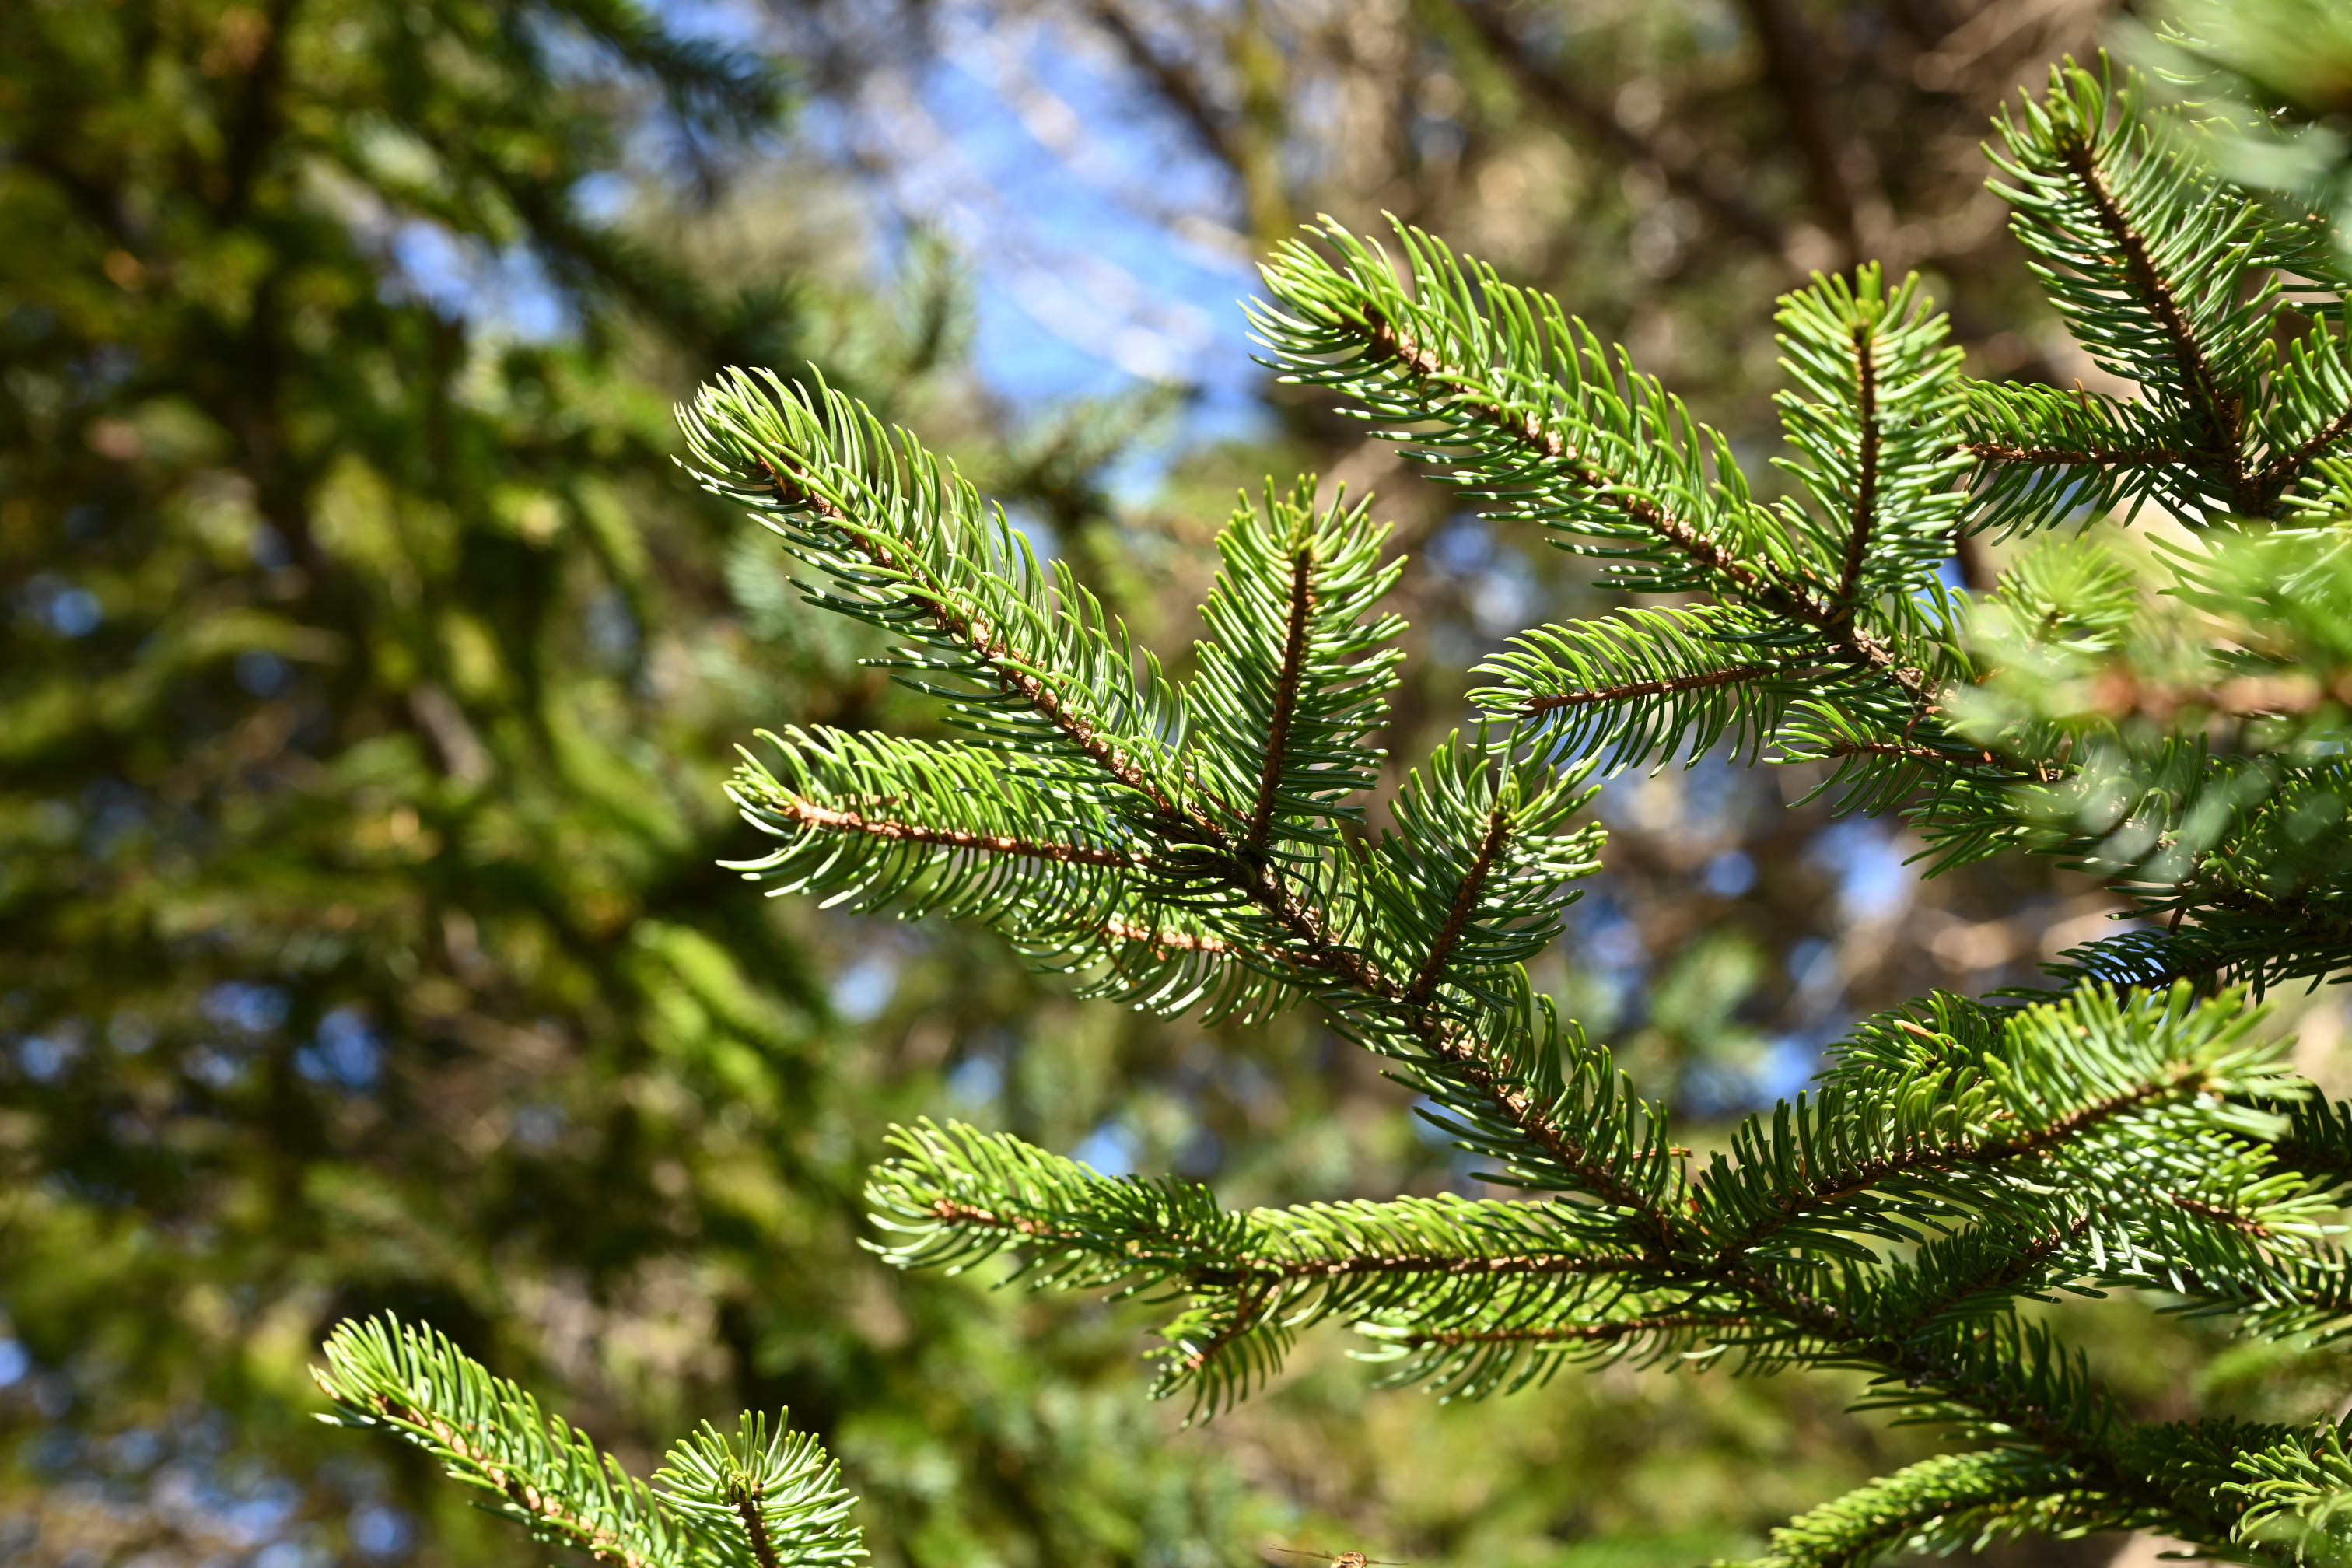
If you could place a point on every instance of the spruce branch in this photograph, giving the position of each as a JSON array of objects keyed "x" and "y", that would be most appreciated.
[
  {"x": 761, "y": 1500},
  {"x": 2153, "y": 251},
  {"x": 1952, "y": 1502},
  {"x": 1293, "y": 671},
  {"x": 1865, "y": 495},
  {"x": 1020, "y": 655},
  {"x": 489, "y": 1434},
  {"x": 1655, "y": 683},
  {"x": 2164, "y": 271},
  {"x": 791, "y": 811},
  {"x": 2215, "y": 407},
  {"x": 1286, "y": 702},
  {"x": 1533, "y": 415},
  {"x": 1204, "y": 844}
]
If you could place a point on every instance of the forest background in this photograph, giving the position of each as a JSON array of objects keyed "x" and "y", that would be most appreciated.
[{"x": 368, "y": 676}]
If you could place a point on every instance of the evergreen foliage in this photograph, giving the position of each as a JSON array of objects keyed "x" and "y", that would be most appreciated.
[
  {"x": 367, "y": 686},
  {"x": 755, "y": 1500},
  {"x": 2172, "y": 718}
]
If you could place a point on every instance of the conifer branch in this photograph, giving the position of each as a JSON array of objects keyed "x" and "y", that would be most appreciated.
[
  {"x": 1934, "y": 756},
  {"x": 1608, "y": 1332},
  {"x": 2075, "y": 457},
  {"x": 776, "y": 1498},
  {"x": 2218, "y": 411},
  {"x": 1164, "y": 940},
  {"x": 1466, "y": 903},
  {"x": 1249, "y": 1305},
  {"x": 1436, "y": 378},
  {"x": 1285, "y": 701},
  {"x": 1437, "y": 381},
  {"x": 1204, "y": 843},
  {"x": 1015, "y": 674},
  {"x": 746, "y": 1499},
  {"x": 1952, "y": 1502},
  {"x": 2284, "y": 470},
  {"x": 548, "y": 1512},
  {"x": 1865, "y": 515}
]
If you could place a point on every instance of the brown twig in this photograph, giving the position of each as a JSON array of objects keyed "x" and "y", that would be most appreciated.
[
  {"x": 2218, "y": 412},
  {"x": 1627, "y": 691},
  {"x": 1294, "y": 637},
  {"x": 1865, "y": 490},
  {"x": 809, "y": 813}
]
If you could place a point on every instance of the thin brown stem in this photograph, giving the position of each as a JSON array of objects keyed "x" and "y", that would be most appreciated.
[
  {"x": 1268, "y": 1268},
  {"x": 1547, "y": 1263},
  {"x": 1465, "y": 905},
  {"x": 1295, "y": 630},
  {"x": 1312, "y": 947},
  {"x": 2285, "y": 469},
  {"x": 1567, "y": 1333},
  {"x": 1012, "y": 674},
  {"x": 746, "y": 1499},
  {"x": 2077, "y": 456},
  {"x": 836, "y": 819},
  {"x": 1552, "y": 702},
  {"x": 1865, "y": 492},
  {"x": 2218, "y": 411},
  {"x": 1245, "y": 1312},
  {"x": 1818, "y": 1195},
  {"x": 1165, "y": 940},
  {"x": 545, "y": 1511},
  {"x": 1912, "y": 751}
]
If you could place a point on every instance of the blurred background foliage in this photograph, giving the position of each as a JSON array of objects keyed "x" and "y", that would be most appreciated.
[{"x": 367, "y": 676}]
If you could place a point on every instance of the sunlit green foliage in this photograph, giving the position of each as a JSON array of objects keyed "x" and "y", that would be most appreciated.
[
  {"x": 367, "y": 685},
  {"x": 1960, "y": 1160}
]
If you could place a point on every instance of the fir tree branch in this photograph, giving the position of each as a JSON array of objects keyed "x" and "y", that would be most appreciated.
[
  {"x": 1177, "y": 941},
  {"x": 2221, "y": 414},
  {"x": 486, "y": 1431},
  {"x": 1465, "y": 902},
  {"x": 1952, "y": 1502},
  {"x": 546, "y": 1510},
  {"x": 1865, "y": 495},
  {"x": 1015, "y": 674},
  {"x": 1934, "y": 756},
  {"x": 1436, "y": 380},
  {"x": 1977, "y": 1375},
  {"x": 1285, "y": 701},
  {"x": 746, "y": 1497},
  {"x": 1648, "y": 683},
  {"x": 2281, "y": 472},
  {"x": 2006, "y": 1270},
  {"x": 1606, "y": 1333},
  {"x": 1541, "y": 1262},
  {"x": 1249, "y": 1306}
]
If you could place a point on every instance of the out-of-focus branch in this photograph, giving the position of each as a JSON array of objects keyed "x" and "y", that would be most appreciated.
[
  {"x": 1246, "y": 139},
  {"x": 1550, "y": 87},
  {"x": 1790, "y": 55},
  {"x": 1183, "y": 91}
]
